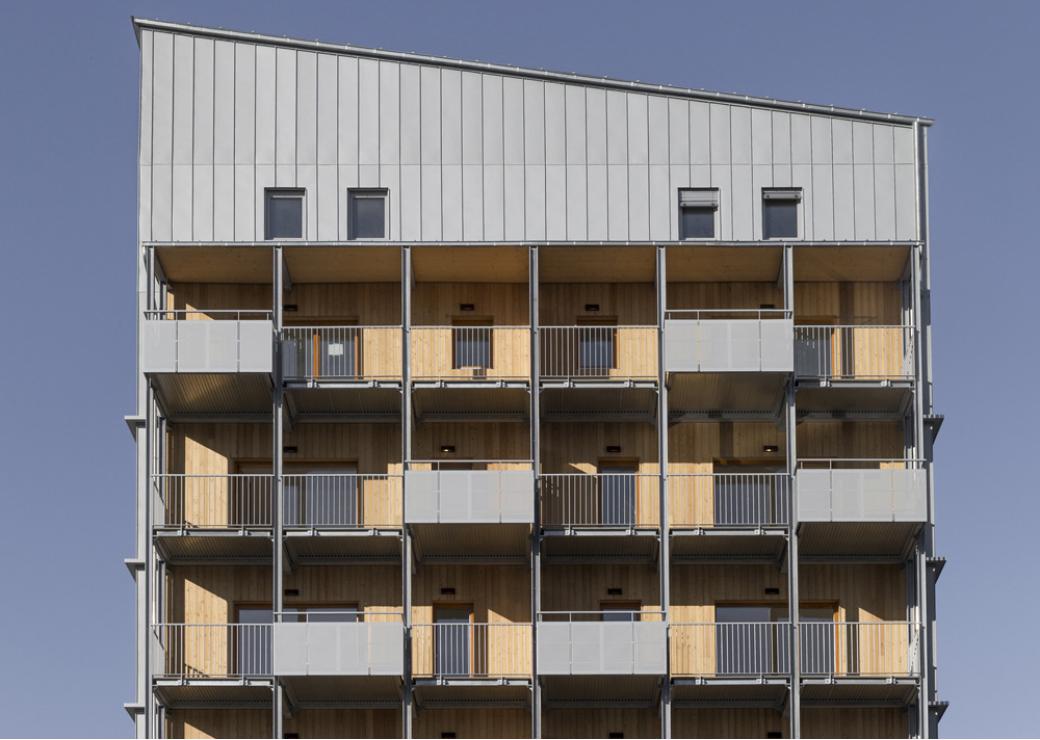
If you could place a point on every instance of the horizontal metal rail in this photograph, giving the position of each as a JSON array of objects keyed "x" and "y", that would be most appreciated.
[
  {"x": 222, "y": 314},
  {"x": 305, "y": 616},
  {"x": 625, "y": 352},
  {"x": 729, "y": 500},
  {"x": 719, "y": 649},
  {"x": 470, "y": 464},
  {"x": 622, "y": 500},
  {"x": 460, "y": 352},
  {"x": 603, "y": 615},
  {"x": 341, "y": 352},
  {"x": 859, "y": 463},
  {"x": 341, "y": 501},
  {"x": 213, "y": 650},
  {"x": 727, "y": 313},
  {"x": 854, "y": 352},
  {"x": 235, "y": 501},
  {"x": 471, "y": 650}
]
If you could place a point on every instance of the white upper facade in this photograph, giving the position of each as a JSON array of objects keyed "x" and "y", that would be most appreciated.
[{"x": 471, "y": 155}]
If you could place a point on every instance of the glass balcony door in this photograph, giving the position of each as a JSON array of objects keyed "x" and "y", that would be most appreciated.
[
  {"x": 617, "y": 494},
  {"x": 322, "y": 495},
  {"x": 453, "y": 640}
]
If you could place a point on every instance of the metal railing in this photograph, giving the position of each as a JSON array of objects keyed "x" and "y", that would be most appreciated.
[
  {"x": 603, "y": 615},
  {"x": 471, "y": 351},
  {"x": 471, "y": 650},
  {"x": 705, "y": 314},
  {"x": 859, "y": 463},
  {"x": 214, "y": 650},
  {"x": 338, "y": 616},
  {"x": 622, "y": 500},
  {"x": 859, "y": 648},
  {"x": 854, "y": 352},
  {"x": 341, "y": 501},
  {"x": 729, "y": 500},
  {"x": 598, "y": 352},
  {"x": 217, "y": 314},
  {"x": 470, "y": 464},
  {"x": 236, "y": 501},
  {"x": 341, "y": 352},
  {"x": 730, "y": 648}
]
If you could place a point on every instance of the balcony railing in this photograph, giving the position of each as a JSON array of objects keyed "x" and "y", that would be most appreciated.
[
  {"x": 470, "y": 492},
  {"x": 314, "y": 353},
  {"x": 331, "y": 642},
  {"x": 763, "y": 649},
  {"x": 598, "y": 352},
  {"x": 190, "y": 651},
  {"x": 341, "y": 501},
  {"x": 860, "y": 352},
  {"x": 213, "y": 501},
  {"x": 721, "y": 649},
  {"x": 210, "y": 342},
  {"x": 468, "y": 352},
  {"x": 469, "y": 650},
  {"x": 312, "y": 500},
  {"x": 199, "y": 314},
  {"x": 848, "y": 649},
  {"x": 728, "y": 340},
  {"x": 600, "y": 500},
  {"x": 729, "y": 500},
  {"x": 611, "y": 642}
]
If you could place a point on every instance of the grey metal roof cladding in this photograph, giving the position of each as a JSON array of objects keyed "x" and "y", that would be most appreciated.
[{"x": 604, "y": 82}]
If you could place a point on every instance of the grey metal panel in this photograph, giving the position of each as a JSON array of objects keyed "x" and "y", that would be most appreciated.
[
  {"x": 596, "y": 126},
  {"x": 638, "y": 141},
  {"x": 884, "y": 201},
  {"x": 814, "y": 495},
  {"x": 823, "y": 202},
  {"x": 306, "y": 108},
  {"x": 307, "y": 179},
  {"x": 327, "y": 123},
  {"x": 451, "y": 117},
  {"x": 844, "y": 203},
  {"x": 720, "y": 133},
  {"x": 162, "y": 206},
  {"x": 494, "y": 206},
  {"x": 516, "y": 492},
  {"x": 421, "y": 504},
  {"x": 801, "y": 139},
  {"x": 338, "y": 649},
  {"x": 761, "y": 136},
  {"x": 617, "y": 201},
  {"x": 723, "y": 345},
  {"x": 431, "y": 200},
  {"x": 534, "y": 122},
  {"x": 617, "y": 128},
  {"x": 658, "y": 129},
  {"x": 202, "y": 103},
  {"x": 743, "y": 203},
  {"x": 761, "y": 177},
  {"x": 513, "y": 198},
  {"x": 598, "y": 203},
  {"x": 722, "y": 178},
  {"x": 906, "y": 220},
  {"x": 700, "y": 133},
  {"x": 601, "y": 648},
  {"x": 820, "y": 131},
  {"x": 885, "y": 495},
  {"x": 347, "y": 124},
  {"x": 777, "y": 345},
  {"x": 903, "y": 145},
  {"x": 740, "y": 135},
  {"x": 472, "y": 119},
  {"x": 266, "y": 92},
  {"x": 327, "y": 202},
  {"x": 884, "y": 142},
  {"x": 651, "y": 647},
  {"x": 555, "y": 124},
  {"x": 368, "y": 111},
  {"x": 144, "y": 215},
  {"x": 223, "y": 103},
  {"x": 910, "y": 495},
  {"x": 162, "y": 98},
  {"x": 513, "y": 118},
  {"x": 661, "y": 202},
  {"x": 245, "y": 102},
  {"x": 389, "y": 113},
  {"x": 410, "y": 123},
  {"x": 202, "y": 203},
  {"x": 554, "y": 648},
  {"x": 245, "y": 202},
  {"x": 472, "y": 202},
  {"x": 574, "y": 114},
  {"x": 255, "y": 346},
  {"x": 182, "y": 202},
  {"x": 638, "y": 202},
  {"x": 863, "y": 187},
  {"x": 678, "y": 131},
  {"x": 781, "y": 132},
  {"x": 556, "y": 205},
  {"x": 451, "y": 202},
  {"x": 207, "y": 346},
  {"x": 577, "y": 203},
  {"x": 862, "y": 142},
  {"x": 469, "y": 496},
  {"x": 145, "y": 102},
  {"x": 159, "y": 347},
  {"x": 841, "y": 141},
  {"x": 534, "y": 202},
  {"x": 223, "y": 198}
]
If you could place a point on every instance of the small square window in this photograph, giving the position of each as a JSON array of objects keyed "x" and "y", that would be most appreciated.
[
  {"x": 697, "y": 209},
  {"x": 366, "y": 214},
  {"x": 780, "y": 213},
  {"x": 283, "y": 214}
]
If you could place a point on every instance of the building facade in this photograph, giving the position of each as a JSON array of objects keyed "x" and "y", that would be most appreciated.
[{"x": 476, "y": 401}]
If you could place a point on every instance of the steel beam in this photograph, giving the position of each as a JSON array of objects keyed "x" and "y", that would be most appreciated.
[
  {"x": 794, "y": 705},
  {"x": 533, "y": 286},
  {"x": 277, "y": 441},
  {"x": 664, "y": 553},
  {"x": 407, "y": 419}
]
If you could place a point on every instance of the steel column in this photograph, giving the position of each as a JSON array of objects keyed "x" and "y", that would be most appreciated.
[
  {"x": 536, "y": 457},
  {"x": 794, "y": 704},
  {"x": 406, "y": 456},
  {"x": 277, "y": 593},
  {"x": 664, "y": 545}
]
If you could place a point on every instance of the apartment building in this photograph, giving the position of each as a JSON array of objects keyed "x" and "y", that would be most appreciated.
[{"x": 478, "y": 401}]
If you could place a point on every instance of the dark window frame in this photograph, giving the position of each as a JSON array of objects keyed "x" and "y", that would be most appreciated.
[
  {"x": 271, "y": 194},
  {"x": 357, "y": 194},
  {"x": 775, "y": 198},
  {"x": 703, "y": 202}
]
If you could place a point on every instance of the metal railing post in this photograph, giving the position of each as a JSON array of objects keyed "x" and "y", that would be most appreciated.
[
  {"x": 533, "y": 284},
  {"x": 277, "y": 489},
  {"x": 664, "y": 544},
  {"x": 406, "y": 455}
]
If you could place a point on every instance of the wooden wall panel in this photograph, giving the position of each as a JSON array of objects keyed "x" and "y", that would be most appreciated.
[
  {"x": 437, "y": 304},
  {"x": 433, "y": 353},
  {"x": 384, "y": 723},
  {"x": 474, "y": 441},
  {"x": 745, "y": 722},
  {"x": 848, "y": 303},
  {"x": 364, "y": 304},
  {"x": 575, "y": 447},
  {"x": 724, "y": 295},
  {"x": 693, "y": 445},
  {"x": 585, "y": 587},
  {"x": 850, "y": 439},
  {"x": 218, "y": 723},
  {"x": 632, "y": 304},
  {"x": 220, "y": 296},
  {"x": 601, "y": 722},
  {"x": 872, "y": 722},
  {"x": 474, "y": 723}
]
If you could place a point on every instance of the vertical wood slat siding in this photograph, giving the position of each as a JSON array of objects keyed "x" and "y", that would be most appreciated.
[{"x": 476, "y": 171}]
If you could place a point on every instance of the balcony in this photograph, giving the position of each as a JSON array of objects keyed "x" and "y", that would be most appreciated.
[
  {"x": 228, "y": 517},
  {"x": 852, "y": 368},
  {"x": 343, "y": 370},
  {"x": 598, "y": 369},
  {"x": 209, "y": 362},
  {"x": 860, "y": 506},
  {"x": 727, "y": 359},
  {"x": 628, "y": 648},
  {"x": 470, "y": 508},
  {"x": 471, "y": 370},
  {"x": 599, "y": 515},
  {"x": 718, "y": 515}
]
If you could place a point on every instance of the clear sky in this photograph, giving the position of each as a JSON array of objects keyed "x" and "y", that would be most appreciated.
[{"x": 68, "y": 79}]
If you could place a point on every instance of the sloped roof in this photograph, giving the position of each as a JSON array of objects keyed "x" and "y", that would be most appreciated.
[{"x": 541, "y": 74}]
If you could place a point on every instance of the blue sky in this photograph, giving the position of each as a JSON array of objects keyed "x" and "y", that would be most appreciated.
[{"x": 68, "y": 75}]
